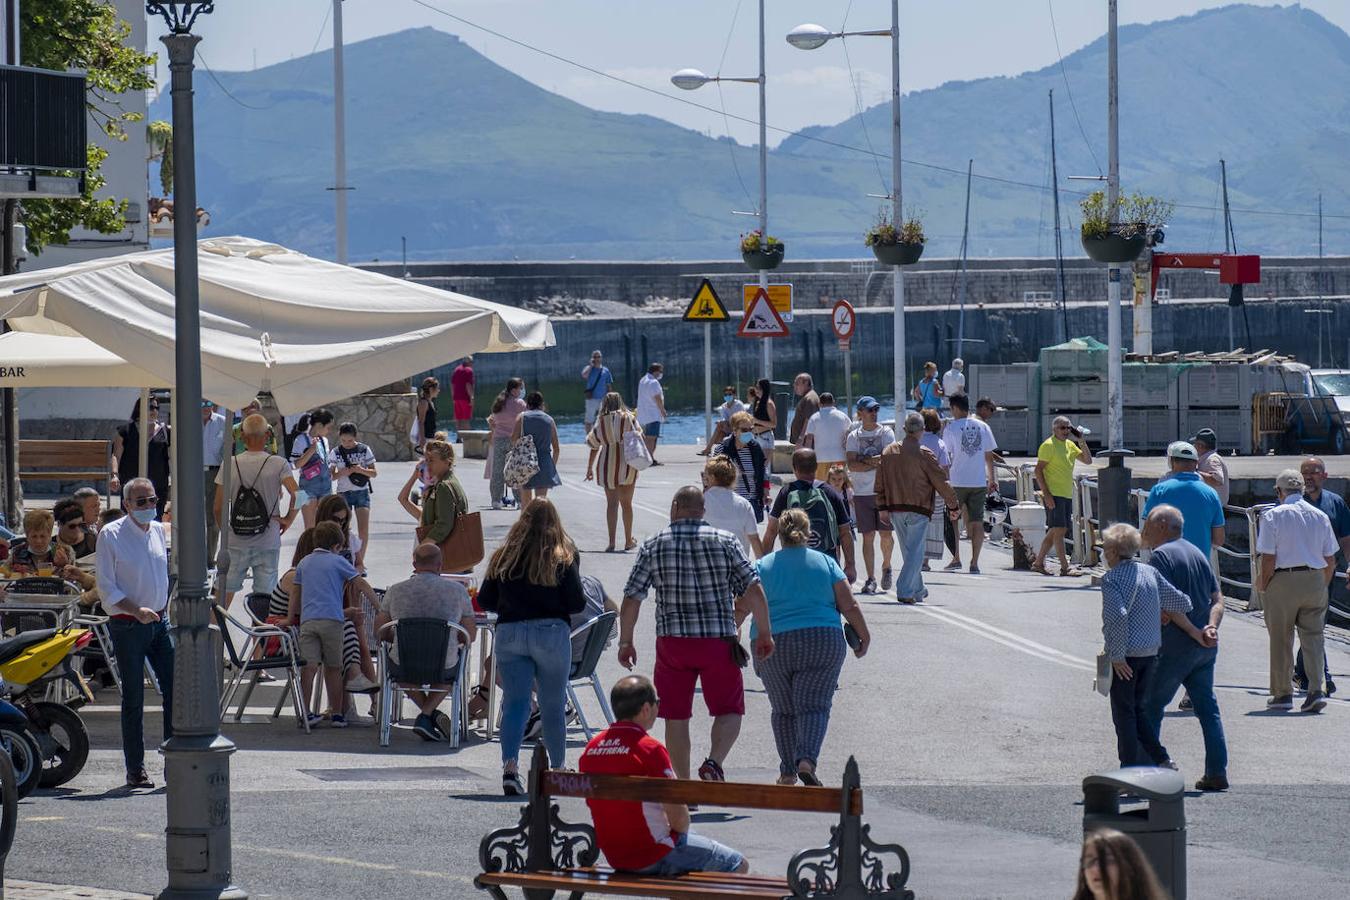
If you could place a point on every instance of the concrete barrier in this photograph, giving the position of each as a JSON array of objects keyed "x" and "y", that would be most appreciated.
[{"x": 475, "y": 444}]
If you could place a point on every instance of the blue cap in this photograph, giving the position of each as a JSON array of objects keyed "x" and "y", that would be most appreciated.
[{"x": 868, "y": 402}]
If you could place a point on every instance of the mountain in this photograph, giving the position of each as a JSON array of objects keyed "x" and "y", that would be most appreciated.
[{"x": 469, "y": 160}]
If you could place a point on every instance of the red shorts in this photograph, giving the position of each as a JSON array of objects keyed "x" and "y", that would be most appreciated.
[
  {"x": 463, "y": 410},
  {"x": 681, "y": 662}
]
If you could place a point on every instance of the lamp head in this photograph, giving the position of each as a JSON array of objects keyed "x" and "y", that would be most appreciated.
[
  {"x": 809, "y": 37},
  {"x": 179, "y": 15},
  {"x": 689, "y": 79}
]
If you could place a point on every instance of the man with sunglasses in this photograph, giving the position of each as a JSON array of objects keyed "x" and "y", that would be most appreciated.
[
  {"x": 72, "y": 530},
  {"x": 133, "y": 580},
  {"x": 1054, "y": 472}
]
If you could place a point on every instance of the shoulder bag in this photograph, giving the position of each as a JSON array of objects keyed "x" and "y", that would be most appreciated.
[
  {"x": 1102, "y": 683},
  {"x": 463, "y": 549},
  {"x": 635, "y": 452},
  {"x": 522, "y": 462}
]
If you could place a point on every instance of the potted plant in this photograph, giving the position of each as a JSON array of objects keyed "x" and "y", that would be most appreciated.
[
  {"x": 761, "y": 251},
  {"x": 896, "y": 246},
  {"x": 1120, "y": 235}
]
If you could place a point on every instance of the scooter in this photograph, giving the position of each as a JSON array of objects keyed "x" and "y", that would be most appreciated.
[
  {"x": 30, "y": 662},
  {"x": 18, "y": 743}
]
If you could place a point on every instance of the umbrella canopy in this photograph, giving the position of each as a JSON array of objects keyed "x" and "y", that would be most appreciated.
[
  {"x": 307, "y": 330},
  {"x": 50, "y": 360}
]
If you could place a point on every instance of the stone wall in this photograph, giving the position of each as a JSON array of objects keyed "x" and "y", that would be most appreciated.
[{"x": 384, "y": 421}]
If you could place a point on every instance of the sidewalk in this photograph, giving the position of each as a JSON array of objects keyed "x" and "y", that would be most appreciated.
[{"x": 37, "y": 890}]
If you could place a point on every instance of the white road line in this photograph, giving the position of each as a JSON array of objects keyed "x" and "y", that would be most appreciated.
[
  {"x": 993, "y": 634},
  {"x": 1014, "y": 637}
]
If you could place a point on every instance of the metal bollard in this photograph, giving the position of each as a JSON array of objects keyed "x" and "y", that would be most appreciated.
[{"x": 1113, "y": 486}]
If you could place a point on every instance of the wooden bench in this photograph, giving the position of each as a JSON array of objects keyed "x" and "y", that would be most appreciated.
[
  {"x": 544, "y": 854},
  {"x": 67, "y": 461}
]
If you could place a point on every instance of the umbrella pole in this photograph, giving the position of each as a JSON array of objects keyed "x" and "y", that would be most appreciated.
[{"x": 143, "y": 427}]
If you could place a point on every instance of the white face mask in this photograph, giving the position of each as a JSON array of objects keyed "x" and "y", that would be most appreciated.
[{"x": 144, "y": 516}]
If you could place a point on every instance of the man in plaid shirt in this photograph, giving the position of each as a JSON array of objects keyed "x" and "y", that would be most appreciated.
[{"x": 705, "y": 587}]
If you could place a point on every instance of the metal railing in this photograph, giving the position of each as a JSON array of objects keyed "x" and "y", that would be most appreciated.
[
  {"x": 43, "y": 122},
  {"x": 1251, "y": 516}
]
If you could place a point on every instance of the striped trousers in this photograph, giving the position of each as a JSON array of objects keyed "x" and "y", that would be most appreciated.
[{"x": 800, "y": 678}]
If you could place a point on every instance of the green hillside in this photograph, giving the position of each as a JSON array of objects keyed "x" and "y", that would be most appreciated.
[{"x": 471, "y": 161}]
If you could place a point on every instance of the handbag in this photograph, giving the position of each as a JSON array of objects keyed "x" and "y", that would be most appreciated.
[
  {"x": 1105, "y": 672},
  {"x": 635, "y": 452},
  {"x": 522, "y": 462},
  {"x": 463, "y": 549},
  {"x": 314, "y": 467}
]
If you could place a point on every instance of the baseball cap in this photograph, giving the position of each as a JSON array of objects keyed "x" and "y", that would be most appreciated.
[
  {"x": 868, "y": 402},
  {"x": 1181, "y": 450},
  {"x": 1290, "y": 480},
  {"x": 1208, "y": 436}
]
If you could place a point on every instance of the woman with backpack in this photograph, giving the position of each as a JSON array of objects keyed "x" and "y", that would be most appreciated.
[
  {"x": 619, "y": 479},
  {"x": 353, "y": 467},
  {"x": 543, "y": 431},
  {"x": 309, "y": 455}
]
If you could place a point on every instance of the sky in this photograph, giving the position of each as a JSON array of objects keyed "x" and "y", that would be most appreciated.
[{"x": 646, "y": 41}]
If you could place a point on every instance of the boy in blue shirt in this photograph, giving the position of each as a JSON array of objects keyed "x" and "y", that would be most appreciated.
[{"x": 318, "y": 604}]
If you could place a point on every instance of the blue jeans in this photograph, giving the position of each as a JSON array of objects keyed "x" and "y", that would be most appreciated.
[
  {"x": 695, "y": 853},
  {"x": 1192, "y": 666},
  {"x": 134, "y": 644},
  {"x": 534, "y": 654},
  {"x": 910, "y": 528}
]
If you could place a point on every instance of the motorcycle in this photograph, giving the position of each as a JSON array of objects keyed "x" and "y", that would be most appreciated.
[
  {"x": 18, "y": 743},
  {"x": 29, "y": 662}
]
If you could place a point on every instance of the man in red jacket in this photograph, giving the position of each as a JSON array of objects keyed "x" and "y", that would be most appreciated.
[{"x": 647, "y": 838}]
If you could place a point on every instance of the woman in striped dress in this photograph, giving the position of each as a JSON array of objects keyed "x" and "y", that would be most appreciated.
[{"x": 617, "y": 477}]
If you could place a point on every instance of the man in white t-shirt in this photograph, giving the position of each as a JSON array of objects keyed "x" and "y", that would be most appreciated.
[
  {"x": 255, "y": 470},
  {"x": 864, "y": 445},
  {"x": 971, "y": 446},
  {"x": 651, "y": 407},
  {"x": 725, "y": 509},
  {"x": 954, "y": 379},
  {"x": 825, "y": 432}
]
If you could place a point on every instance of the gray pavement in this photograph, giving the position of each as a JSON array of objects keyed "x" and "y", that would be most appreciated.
[{"x": 973, "y": 721}]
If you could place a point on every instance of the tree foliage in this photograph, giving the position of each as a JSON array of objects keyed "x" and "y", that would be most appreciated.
[{"x": 88, "y": 35}]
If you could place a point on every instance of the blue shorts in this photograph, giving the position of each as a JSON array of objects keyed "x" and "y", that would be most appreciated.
[
  {"x": 260, "y": 564},
  {"x": 358, "y": 499},
  {"x": 652, "y": 429},
  {"x": 695, "y": 853}
]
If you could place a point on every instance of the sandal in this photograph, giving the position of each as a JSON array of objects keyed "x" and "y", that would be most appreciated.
[
  {"x": 629, "y": 546},
  {"x": 1041, "y": 569},
  {"x": 1071, "y": 572}
]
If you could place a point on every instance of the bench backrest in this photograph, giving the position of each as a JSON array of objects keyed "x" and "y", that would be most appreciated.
[
  {"x": 738, "y": 795},
  {"x": 92, "y": 455}
]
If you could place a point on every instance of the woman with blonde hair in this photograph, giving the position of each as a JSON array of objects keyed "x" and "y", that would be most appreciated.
[
  {"x": 807, "y": 593},
  {"x": 617, "y": 477},
  {"x": 533, "y": 584},
  {"x": 445, "y": 501},
  {"x": 1114, "y": 868}
]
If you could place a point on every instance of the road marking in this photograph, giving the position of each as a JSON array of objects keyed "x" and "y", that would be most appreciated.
[
  {"x": 45, "y": 819},
  {"x": 988, "y": 632},
  {"x": 1041, "y": 648}
]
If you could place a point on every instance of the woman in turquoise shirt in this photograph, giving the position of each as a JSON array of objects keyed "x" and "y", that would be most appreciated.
[{"x": 807, "y": 593}]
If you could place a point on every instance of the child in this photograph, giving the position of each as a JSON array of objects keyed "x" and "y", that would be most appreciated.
[
  {"x": 317, "y": 596},
  {"x": 353, "y": 466},
  {"x": 838, "y": 479}
]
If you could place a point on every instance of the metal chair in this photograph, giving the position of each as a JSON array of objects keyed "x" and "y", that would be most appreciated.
[
  {"x": 422, "y": 646},
  {"x": 598, "y": 632},
  {"x": 287, "y": 657}
]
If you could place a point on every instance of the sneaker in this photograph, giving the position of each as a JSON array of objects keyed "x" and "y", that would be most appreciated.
[
  {"x": 711, "y": 771},
  {"x": 337, "y": 721},
  {"x": 974, "y": 569},
  {"x": 360, "y": 684},
  {"x": 534, "y": 725},
  {"x": 869, "y": 586},
  {"x": 573, "y": 715},
  {"x": 908, "y": 601},
  {"x": 139, "y": 781},
  {"x": 425, "y": 727},
  {"x": 1301, "y": 682},
  {"x": 313, "y": 719},
  {"x": 1285, "y": 702},
  {"x": 512, "y": 786},
  {"x": 1186, "y": 705},
  {"x": 1315, "y": 703},
  {"x": 1331, "y": 687},
  {"x": 443, "y": 726},
  {"x": 1169, "y": 764},
  {"x": 885, "y": 580},
  {"x": 497, "y": 504},
  {"x": 1212, "y": 783}
]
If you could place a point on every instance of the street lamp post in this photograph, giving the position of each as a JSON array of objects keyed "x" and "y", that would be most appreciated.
[
  {"x": 693, "y": 79},
  {"x": 811, "y": 37},
  {"x": 197, "y": 757}
]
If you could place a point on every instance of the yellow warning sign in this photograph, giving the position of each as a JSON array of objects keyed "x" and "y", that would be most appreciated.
[
  {"x": 780, "y": 295},
  {"x": 706, "y": 305}
]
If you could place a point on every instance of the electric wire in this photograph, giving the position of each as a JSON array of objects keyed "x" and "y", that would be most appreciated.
[
  {"x": 226, "y": 91},
  {"x": 1065, "y": 75},
  {"x": 722, "y": 102},
  {"x": 855, "y": 83}
]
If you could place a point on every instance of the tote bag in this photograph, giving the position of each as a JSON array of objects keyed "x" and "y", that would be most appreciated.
[
  {"x": 522, "y": 462},
  {"x": 635, "y": 452}
]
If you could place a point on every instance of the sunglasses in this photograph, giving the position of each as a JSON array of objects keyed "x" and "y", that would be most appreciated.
[{"x": 143, "y": 502}]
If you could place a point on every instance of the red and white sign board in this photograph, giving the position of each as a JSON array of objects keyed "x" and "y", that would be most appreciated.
[
  {"x": 844, "y": 320},
  {"x": 760, "y": 319}
]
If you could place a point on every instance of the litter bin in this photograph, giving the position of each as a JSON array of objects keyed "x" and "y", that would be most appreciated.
[{"x": 1159, "y": 827}]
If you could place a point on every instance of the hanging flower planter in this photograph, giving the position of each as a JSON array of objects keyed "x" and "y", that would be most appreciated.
[
  {"x": 894, "y": 245},
  {"x": 1118, "y": 235},
  {"x": 761, "y": 253},
  {"x": 1114, "y": 248},
  {"x": 898, "y": 254}
]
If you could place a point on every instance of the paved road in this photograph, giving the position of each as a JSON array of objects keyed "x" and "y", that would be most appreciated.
[{"x": 972, "y": 719}]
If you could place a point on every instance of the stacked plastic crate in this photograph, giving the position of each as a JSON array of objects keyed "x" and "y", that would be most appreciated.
[
  {"x": 1015, "y": 390},
  {"x": 1150, "y": 394},
  {"x": 1219, "y": 395},
  {"x": 1073, "y": 384}
]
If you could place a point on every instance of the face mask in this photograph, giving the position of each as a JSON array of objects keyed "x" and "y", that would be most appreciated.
[
  {"x": 658, "y": 375},
  {"x": 727, "y": 398},
  {"x": 515, "y": 392},
  {"x": 144, "y": 516},
  {"x": 744, "y": 436}
]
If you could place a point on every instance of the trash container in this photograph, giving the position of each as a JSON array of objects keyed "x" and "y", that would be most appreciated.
[{"x": 1158, "y": 827}]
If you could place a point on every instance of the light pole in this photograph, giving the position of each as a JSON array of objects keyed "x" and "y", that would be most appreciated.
[
  {"x": 197, "y": 757},
  {"x": 693, "y": 79},
  {"x": 810, "y": 37},
  {"x": 1115, "y": 374}
]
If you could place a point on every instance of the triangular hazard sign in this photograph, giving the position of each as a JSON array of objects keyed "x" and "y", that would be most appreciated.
[
  {"x": 761, "y": 320},
  {"x": 706, "y": 305}
]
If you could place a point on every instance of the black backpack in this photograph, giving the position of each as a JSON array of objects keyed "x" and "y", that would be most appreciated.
[{"x": 250, "y": 514}]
